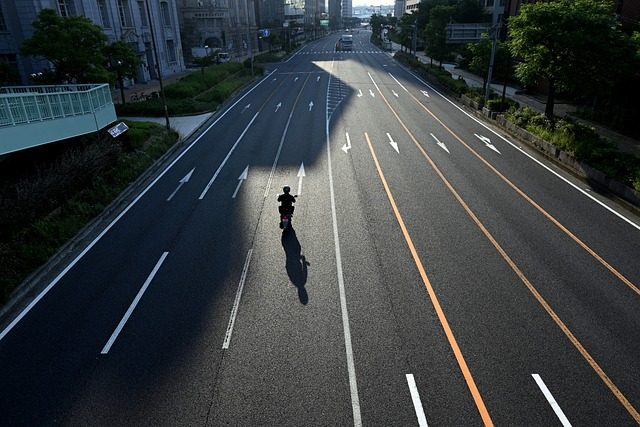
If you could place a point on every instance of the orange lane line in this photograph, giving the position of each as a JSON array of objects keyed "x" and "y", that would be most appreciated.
[
  {"x": 536, "y": 205},
  {"x": 565, "y": 329},
  {"x": 434, "y": 299}
]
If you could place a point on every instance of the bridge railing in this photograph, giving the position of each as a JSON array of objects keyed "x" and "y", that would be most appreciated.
[{"x": 27, "y": 104}]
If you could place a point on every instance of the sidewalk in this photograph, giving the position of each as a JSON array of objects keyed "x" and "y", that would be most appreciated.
[{"x": 537, "y": 103}]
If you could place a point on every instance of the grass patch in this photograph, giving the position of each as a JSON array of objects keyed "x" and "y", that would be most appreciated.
[{"x": 44, "y": 208}]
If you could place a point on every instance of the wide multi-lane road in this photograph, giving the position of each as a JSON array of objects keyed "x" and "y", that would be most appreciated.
[{"x": 437, "y": 273}]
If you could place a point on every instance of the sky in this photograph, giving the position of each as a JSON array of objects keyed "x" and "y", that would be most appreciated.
[{"x": 373, "y": 2}]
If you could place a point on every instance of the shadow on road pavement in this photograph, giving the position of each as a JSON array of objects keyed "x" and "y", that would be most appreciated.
[{"x": 296, "y": 263}]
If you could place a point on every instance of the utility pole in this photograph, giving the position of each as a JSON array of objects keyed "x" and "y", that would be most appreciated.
[
  {"x": 496, "y": 33},
  {"x": 246, "y": 11},
  {"x": 155, "y": 55}
]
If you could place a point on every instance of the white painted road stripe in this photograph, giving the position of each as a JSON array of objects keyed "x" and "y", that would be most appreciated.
[
  {"x": 554, "y": 405},
  {"x": 417, "y": 404},
  {"x": 236, "y": 303},
  {"x": 57, "y": 279},
  {"x": 224, "y": 162},
  {"x": 351, "y": 367},
  {"x": 133, "y": 305},
  {"x": 522, "y": 151}
]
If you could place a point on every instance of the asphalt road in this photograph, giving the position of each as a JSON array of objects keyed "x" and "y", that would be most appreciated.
[{"x": 437, "y": 273}]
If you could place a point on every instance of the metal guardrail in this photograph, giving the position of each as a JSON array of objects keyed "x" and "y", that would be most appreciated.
[{"x": 27, "y": 104}]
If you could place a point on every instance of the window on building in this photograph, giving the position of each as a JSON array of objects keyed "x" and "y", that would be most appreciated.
[
  {"x": 171, "y": 51},
  {"x": 104, "y": 13},
  {"x": 66, "y": 8},
  {"x": 3, "y": 24},
  {"x": 143, "y": 13},
  {"x": 124, "y": 12},
  {"x": 164, "y": 11}
]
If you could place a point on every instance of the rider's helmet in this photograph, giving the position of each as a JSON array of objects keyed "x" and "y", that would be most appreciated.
[{"x": 286, "y": 189}]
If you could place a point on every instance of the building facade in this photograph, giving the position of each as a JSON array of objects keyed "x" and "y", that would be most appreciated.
[
  {"x": 347, "y": 8},
  {"x": 229, "y": 25},
  {"x": 130, "y": 21}
]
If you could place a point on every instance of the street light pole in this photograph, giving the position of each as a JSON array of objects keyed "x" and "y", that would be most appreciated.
[
  {"x": 496, "y": 31},
  {"x": 155, "y": 55}
]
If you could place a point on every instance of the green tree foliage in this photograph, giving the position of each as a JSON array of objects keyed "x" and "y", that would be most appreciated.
[
  {"x": 480, "y": 55},
  {"x": 435, "y": 34},
  {"x": 122, "y": 60},
  {"x": 74, "y": 45},
  {"x": 569, "y": 44},
  {"x": 405, "y": 33}
]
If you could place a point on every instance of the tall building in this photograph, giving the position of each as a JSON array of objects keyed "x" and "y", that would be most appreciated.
[
  {"x": 229, "y": 25},
  {"x": 124, "y": 20},
  {"x": 347, "y": 9},
  {"x": 399, "y": 8},
  {"x": 335, "y": 14}
]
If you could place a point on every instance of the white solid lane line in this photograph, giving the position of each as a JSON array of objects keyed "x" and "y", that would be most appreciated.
[
  {"x": 57, "y": 279},
  {"x": 554, "y": 405},
  {"x": 133, "y": 305},
  {"x": 417, "y": 404},
  {"x": 351, "y": 366},
  {"x": 236, "y": 303}
]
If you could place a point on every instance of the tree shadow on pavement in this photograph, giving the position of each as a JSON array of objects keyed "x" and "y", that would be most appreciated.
[{"x": 296, "y": 263}]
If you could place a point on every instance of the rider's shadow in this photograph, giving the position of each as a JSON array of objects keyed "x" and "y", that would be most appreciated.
[{"x": 296, "y": 263}]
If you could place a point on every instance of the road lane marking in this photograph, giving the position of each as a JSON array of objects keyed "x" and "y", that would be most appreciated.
[
  {"x": 576, "y": 343},
  {"x": 133, "y": 305},
  {"x": 241, "y": 179},
  {"x": 440, "y": 144},
  {"x": 351, "y": 367},
  {"x": 557, "y": 175},
  {"x": 453, "y": 343},
  {"x": 284, "y": 135},
  {"x": 417, "y": 404},
  {"x": 405, "y": 89},
  {"x": 182, "y": 182},
  {"x": 301, "y": 174},
  {"x": 224, "y": 162},
  {"x": 346, "y": 147},
  {"x": 393, "y": 143},
  {"x": 57, "y": 279},
  {"x": 539, "y": 208},
  {"x": 554, "y": 405},
  {"x": 236, "y": 302}
]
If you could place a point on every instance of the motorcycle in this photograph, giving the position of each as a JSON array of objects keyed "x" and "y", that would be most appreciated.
[{"x": 285, "y": 216}]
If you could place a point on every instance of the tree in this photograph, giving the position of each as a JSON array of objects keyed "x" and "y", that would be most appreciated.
[
  {"x": 435, "y": 34},
  {"x": 123, "y": 62},
  {"x": 73, "y": 45},
  {"x": 569, "y": 44},
  {"x": 480, "y": 55}
]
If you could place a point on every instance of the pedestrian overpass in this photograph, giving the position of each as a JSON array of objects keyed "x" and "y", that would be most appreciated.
[{"x": 37, "y": 115}]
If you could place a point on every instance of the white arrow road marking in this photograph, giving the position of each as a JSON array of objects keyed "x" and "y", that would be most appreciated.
[
  {"x": 371, "y": 93},
  {"x": 300, "y": 175},
  {"x": 242, "y": 178},
  {"x": 278, "y": 106},
  {"x": 224, "y": 162},
  {"x": 296, "y": 79},
  {"x": 393, "y": 143},
  {"x": 318, "y": 79},
  {"x": 425, "y": 93},
  {"x": 394, "y": 93},
  {"x": 182, "y": 182},
  {"x": 346, "y": 147},
  {"x": 359, "y": 93},
  {"x": 441, "y": 144},
  {"x": 487, "y": 142},
  {"x": 310, "y": 105},
  {"x": 274, "y": 79},
  {"x": 246, "y": 108}
]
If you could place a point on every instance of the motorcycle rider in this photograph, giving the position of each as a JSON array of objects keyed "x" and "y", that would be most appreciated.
[{"x": 286, "y": 202}]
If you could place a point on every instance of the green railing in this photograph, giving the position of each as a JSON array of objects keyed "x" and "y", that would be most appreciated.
[{"x": 28, "y": 104}]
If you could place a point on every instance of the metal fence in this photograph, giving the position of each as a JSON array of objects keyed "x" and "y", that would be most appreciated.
[{"x": 27, "y": 104}]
